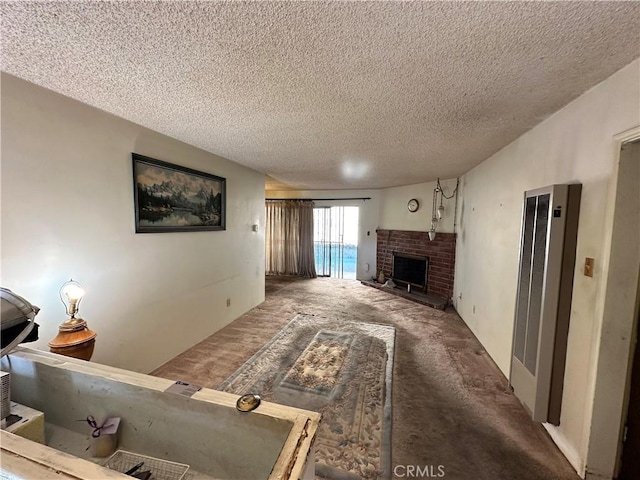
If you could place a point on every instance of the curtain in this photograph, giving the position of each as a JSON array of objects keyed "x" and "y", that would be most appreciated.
[{"x": 289, "y": 238}]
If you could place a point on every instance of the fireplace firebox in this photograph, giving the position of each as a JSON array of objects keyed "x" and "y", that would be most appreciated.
[{"x": 410, "y": 269}]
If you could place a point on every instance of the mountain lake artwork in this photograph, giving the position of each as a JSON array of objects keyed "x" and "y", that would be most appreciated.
[{"x": 171, "y": 198}]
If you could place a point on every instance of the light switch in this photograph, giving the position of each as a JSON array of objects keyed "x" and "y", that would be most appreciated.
[{"x": 588, "y": 267}]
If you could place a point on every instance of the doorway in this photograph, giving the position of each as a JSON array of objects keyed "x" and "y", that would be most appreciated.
[
  {"x": 620, "y": 311},
  {"x": 335, "y": 235},
  {"x": 630, "y": 460}
]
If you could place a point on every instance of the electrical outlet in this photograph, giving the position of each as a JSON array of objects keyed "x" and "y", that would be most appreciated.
[{"x": 228, "y": 302}]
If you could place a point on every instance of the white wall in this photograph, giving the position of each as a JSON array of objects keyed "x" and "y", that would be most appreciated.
[
  {"x": 67, "y": 211},
  {"x": 368, "y": 219},
  {"x": 576, "y": 144},
  {"x": 394, "y": 214}
]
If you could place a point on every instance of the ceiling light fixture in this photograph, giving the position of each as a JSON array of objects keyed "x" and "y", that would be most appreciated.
[
  {"x": 438, "y": 212},
  {"x": 434, "y": 217}
]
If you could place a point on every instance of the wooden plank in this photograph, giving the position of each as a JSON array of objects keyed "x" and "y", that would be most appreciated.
[
  {"x": 154, "y": 383},
  {"x": 302, "y": 456},
  {"x": 33, "y": 460},
  {"x": 293, "y": 457}
]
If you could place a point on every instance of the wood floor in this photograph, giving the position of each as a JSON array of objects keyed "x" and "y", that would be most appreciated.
[{"x": 453, "y": 412}]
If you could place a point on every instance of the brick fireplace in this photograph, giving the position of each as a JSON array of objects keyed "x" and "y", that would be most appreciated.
[{"x": 440, "y": 252}]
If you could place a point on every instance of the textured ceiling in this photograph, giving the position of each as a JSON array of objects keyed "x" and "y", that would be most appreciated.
[{"x": 326, "y": 94}]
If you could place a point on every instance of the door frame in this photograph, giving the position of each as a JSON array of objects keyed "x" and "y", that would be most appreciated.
[
  {"x": 614, "y": 338},
  {"x": 634, "y": 364},
  {"x": 634, "y": 350}
]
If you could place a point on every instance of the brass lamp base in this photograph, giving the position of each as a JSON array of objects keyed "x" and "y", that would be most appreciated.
[{"x": 74, "y": 339}]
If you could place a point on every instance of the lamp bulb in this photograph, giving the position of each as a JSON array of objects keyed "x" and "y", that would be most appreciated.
[
  {"x": 71, "y": 294},
  {"x": 74, "y": 293},
  {"x": 440, "y": 211}
]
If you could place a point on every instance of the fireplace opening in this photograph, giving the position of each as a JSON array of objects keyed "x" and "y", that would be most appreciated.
[{"x": 410, "y": 269}]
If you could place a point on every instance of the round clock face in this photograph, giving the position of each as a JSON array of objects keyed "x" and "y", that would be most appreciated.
[{"x": 413, "y": 205}]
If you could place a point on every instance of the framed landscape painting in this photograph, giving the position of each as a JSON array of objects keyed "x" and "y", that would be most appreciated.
[{"x": 171, "y": 198}]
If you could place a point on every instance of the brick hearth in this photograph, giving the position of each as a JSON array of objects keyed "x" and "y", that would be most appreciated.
[{"x": 441, "y": 253}]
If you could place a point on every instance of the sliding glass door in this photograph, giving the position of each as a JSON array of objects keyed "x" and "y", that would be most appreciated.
[{"x": 336, "y": 241}]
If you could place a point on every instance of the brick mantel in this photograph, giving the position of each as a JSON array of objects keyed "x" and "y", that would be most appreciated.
[{"x": 441, "y": 253}]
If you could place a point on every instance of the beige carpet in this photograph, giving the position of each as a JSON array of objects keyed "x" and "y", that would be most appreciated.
[
  {"x": 452, "y": 409},
  {"x": 341, "y": 369}
]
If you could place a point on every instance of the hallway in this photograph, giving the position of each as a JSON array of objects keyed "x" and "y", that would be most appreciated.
[{"x": 452, "y": 407}]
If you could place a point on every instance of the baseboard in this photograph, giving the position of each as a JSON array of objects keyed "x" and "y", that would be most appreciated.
[
  {"x": 567, "y": 449},
  {"x": 595, "y": 476}
]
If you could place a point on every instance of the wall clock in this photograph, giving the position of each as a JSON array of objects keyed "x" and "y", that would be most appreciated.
[{"x": 413, "y": 205}]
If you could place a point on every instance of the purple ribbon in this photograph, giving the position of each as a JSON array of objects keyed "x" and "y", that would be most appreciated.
[{"x": 93, "y": 424}]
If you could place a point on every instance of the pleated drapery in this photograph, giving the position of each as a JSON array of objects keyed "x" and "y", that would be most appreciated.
[{"x": 289, "y": 238}]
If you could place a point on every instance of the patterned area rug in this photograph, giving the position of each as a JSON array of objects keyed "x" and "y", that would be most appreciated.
[{"x": 342, "y": 370}]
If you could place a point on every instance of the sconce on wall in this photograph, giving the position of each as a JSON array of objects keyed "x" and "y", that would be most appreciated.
[
  {"x": 74, "y": 338},
  {"x": 438, "y": 212}
]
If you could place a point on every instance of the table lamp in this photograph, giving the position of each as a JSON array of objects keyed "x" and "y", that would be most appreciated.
[{"x": 74, "y": 339}]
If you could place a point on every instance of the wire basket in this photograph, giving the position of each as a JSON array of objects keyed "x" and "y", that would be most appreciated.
[{"x": 160, "y": 469}]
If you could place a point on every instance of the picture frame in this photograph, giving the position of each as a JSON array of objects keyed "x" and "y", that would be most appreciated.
[{"x": 172, "y": 198}]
